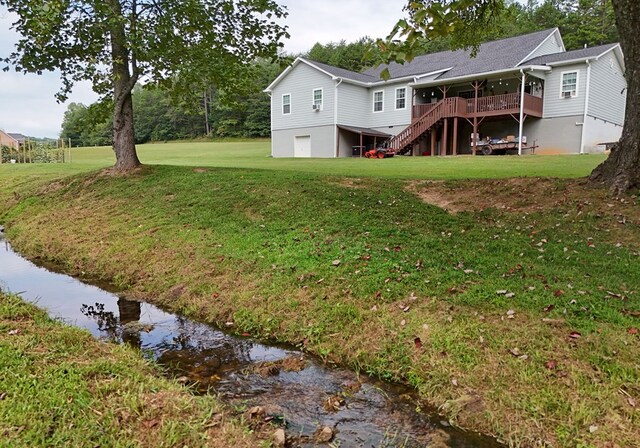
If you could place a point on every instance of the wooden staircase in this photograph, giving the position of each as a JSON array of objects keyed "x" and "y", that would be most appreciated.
[{"x": 447, "y": 108}]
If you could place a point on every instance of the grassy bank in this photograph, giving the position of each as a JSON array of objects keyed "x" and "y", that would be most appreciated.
[
  {"x": 517, "y": 314},
  {"x": 60, "y": 388}
]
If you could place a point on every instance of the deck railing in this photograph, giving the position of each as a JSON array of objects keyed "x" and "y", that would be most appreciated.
[{"x": 506, "y": 104}]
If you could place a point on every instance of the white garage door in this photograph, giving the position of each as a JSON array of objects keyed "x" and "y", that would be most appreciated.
[{"x": 302, "y": 146}]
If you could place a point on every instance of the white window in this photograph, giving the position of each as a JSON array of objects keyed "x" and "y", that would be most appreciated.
[
  {"x": 378, "y": 101},
  {"x": 317, "y": 99},
  {"x": 286, "y": 104},
  {"x": 401, "y": 98},
  {"x": 569, "y": 87}
]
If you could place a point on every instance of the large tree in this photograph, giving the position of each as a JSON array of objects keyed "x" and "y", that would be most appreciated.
[
  {"x": 115, "y": 43},
  {"x": 469, "y": 22}
]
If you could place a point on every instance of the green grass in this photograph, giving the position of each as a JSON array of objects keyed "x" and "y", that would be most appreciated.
[
  {"x": 253, "y": 240},
  {"x": 256, "y": 155},
  {"x": 62, "y": 388}
]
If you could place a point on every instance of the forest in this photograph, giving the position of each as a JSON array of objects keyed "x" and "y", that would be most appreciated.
[{"x": 162, "y": 115}]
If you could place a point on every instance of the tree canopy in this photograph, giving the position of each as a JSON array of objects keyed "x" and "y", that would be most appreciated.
[{"x": 115, "y": 43}]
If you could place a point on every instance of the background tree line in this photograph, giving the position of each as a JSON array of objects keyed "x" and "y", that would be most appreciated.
[{"x": 243, "y": 111}]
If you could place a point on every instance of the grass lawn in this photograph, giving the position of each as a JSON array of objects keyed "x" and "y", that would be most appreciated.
[
  {"x": 517, "y": 314},
  {"x": 256, "y": 155},
  {"x": 59, "y": 387}
]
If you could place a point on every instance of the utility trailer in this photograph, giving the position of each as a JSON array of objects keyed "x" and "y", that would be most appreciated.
[{"x": 501, "y": 146}]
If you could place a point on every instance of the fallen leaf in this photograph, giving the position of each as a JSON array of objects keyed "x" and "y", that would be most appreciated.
[
  {"x": 468, "y": 271},
  {"x": 558, "y": 292},
  {"x": 403, "y": 323},
  {"x": 336, "y": 262},
  {"x": 374, "y": 308},
  {"x": 548, "y": 308},
  {"x": 14, "y": 332},
  {"x": 418, "y": 343},
  {"x": 515, "y": 351},
  {"x": 501, "y": 292},
  {"x": 3, "y": 395},
  {"x": 454, "y": 382},
  {"x": 216, "y": 295},
  {"x": 551, "y": 364},
  {"x": 575, "y": 335},
  {"x": 405, "y": 309},
  {"x": 633, "y": 330},
  {"x": 150, "y": 423},
  {"x": 593, "y": 428},
  {"x": 510, "y": 295}
]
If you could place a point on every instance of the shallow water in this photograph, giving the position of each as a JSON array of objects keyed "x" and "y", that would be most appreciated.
[{"x": 362, "y": 412}]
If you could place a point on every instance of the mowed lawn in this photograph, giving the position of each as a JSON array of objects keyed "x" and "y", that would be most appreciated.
[{"x": 256, "y": 154}]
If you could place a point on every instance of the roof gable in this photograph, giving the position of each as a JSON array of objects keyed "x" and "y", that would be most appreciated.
[
  {"x": 571, "y": 56},
  {"x": 333, "y": 72}
]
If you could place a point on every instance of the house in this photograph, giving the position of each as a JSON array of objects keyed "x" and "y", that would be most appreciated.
[
  {"x": 526, "y": 90},
  {"x": 8, "y": 140},
  {"x": 21, "y": 139}
]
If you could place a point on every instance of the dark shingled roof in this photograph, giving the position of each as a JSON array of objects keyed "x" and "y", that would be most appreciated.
[
  {"x": 342, "y": 73},
  {"x": 582, "y": 53},
  {"x": 492, "y": 56}
]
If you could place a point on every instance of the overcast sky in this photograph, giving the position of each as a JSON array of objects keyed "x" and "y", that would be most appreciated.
[{"x": 28, "y": 106}]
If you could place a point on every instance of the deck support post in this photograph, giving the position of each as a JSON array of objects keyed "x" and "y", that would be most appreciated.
[
  {"x": 454, "y": 150},
  {"x": 361, "y": 144},
  {"x": 521, "y": 124},
  {"x": 474, "y": 135},
  {"x": 433, "y": 142},
  {"x": 445, "y": 135}
]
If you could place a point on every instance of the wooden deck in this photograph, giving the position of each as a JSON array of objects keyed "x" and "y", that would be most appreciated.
[{"x": 488, "y": 106}]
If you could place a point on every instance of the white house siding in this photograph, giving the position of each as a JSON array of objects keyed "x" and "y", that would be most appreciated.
[
  {"x": 354, "y": 104},
  {"x": 554, "y": 105},
  {"x": 389, "y": 120},
  {"x": 607, "y": 82},
  {"x": 598, "y": 132},
  {"x": 549, "y": 46},
  {"x": 322, "y": 141},
  {"x": 560, "y": 135},
  {"x": 300, "y": 83}
]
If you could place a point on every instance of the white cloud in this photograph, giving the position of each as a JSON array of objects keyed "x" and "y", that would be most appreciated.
[{"x": 28, "y": 106}]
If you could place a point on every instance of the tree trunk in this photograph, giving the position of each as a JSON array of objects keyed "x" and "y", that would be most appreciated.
[
  {"x": 124, "y": 136},
  {"x": 621, "y": 171},
  {"x": 124, "y": 144}
]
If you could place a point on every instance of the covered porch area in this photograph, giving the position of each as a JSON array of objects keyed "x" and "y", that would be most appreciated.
[
  {"x": 354, "y": 141},
  {"x": 448, "y": 116}
]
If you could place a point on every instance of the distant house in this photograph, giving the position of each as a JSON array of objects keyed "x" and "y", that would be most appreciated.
[
  {"x": 8, "y": 140},
  {"x": 527, "y": 90},
  {"x": 21, "y": 139}
]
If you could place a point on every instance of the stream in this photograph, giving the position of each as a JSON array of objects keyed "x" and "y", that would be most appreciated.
[{"x": 295, "y": 390}]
